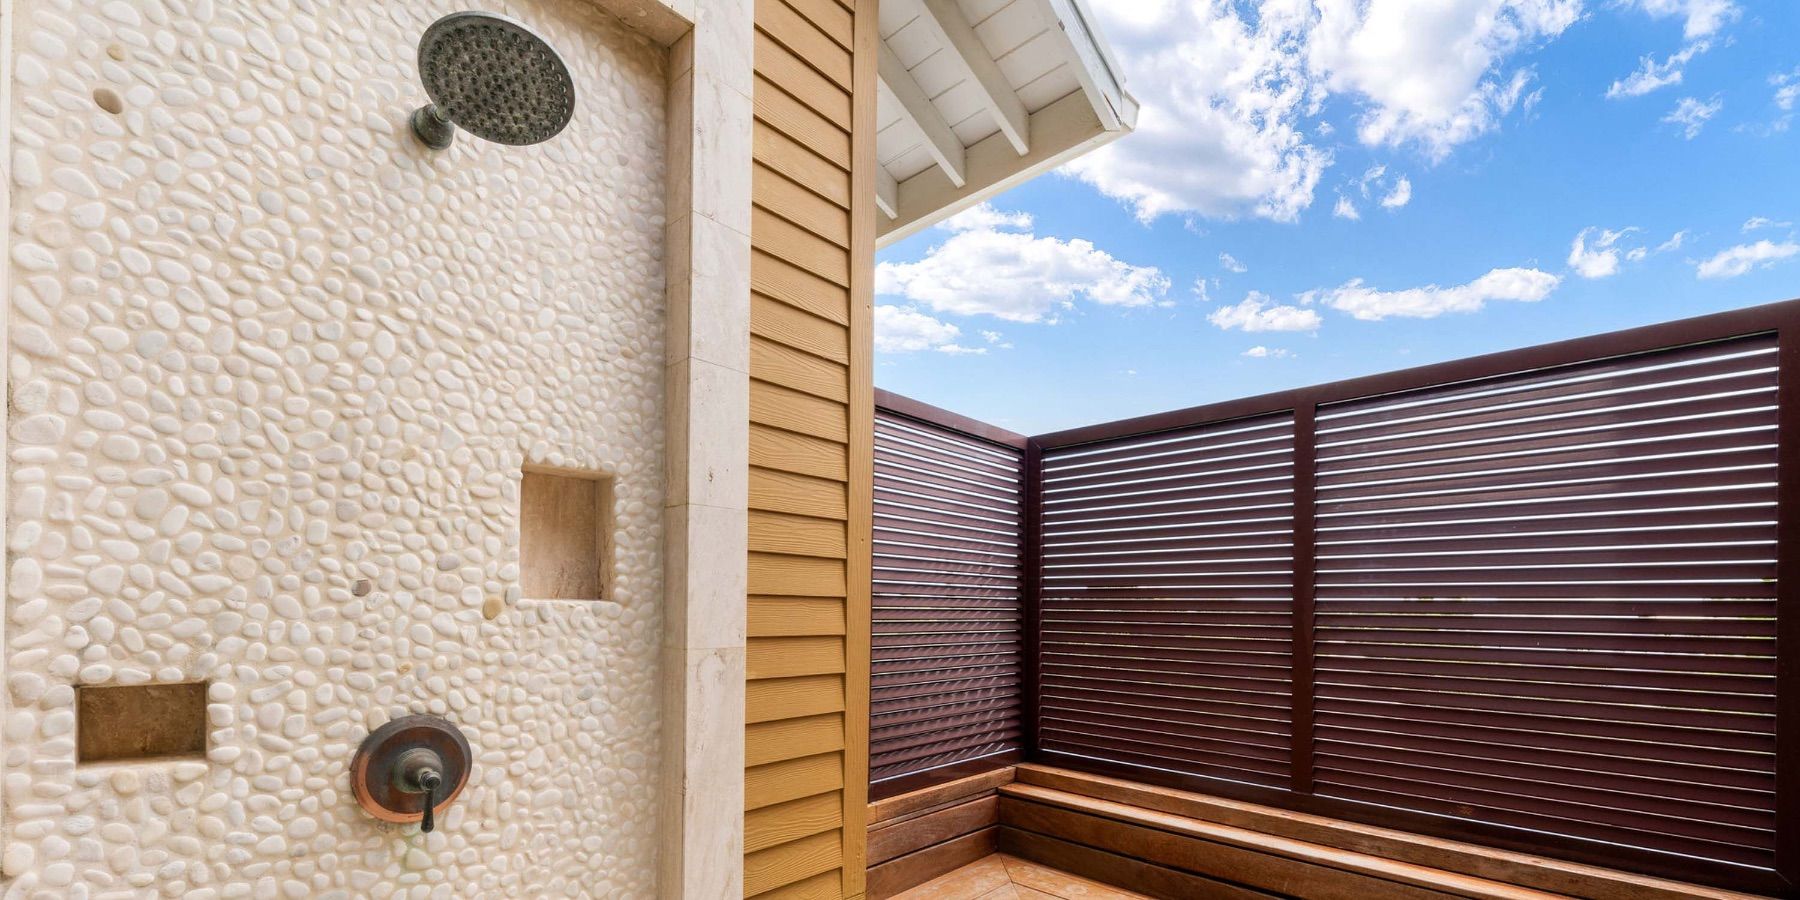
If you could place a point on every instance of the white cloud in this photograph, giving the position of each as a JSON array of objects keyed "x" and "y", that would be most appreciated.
[
  {"x": 1735, "y": 261},
  {"x": 1400, "y": 195},
  {"x": 1757, "y": 223},
  {"x": 1231, "y": 264},
  {"x": 1786, "y": 99},
  {"x": 1201, "y": 292},
  {"x": 1692, "y": 115},
  {"x": 1674, "y": 242},
  {"x": 1652, "y": 75},
  {"x": 1222, "y": 96},
  {"x": 1368, "y": 304},
  {"x": 1376, "y": 186},
  {"x": 1430, "y": 72},
  {"x": 909, "y": 331},
  {"x": 1371, "y": 178},
  {"x": 1226, "y": 87},
  {"x": 1601, "y": 258},
  {"x": 1258, "y": 313},
  {"x": 984, "y": 217},
  {"x": 1787, "y": 89},
  {"x": 1018, "y": 277},
  {"x": 1700, "y": 17},
  {"x": 1261, "y": 352}
]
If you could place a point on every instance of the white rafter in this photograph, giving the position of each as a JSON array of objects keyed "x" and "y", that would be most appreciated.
[
  {"x": 918, "y": 109},
  {"x": 887, "y": 192},
  {"x": 1092, "y": 65},
  {"x": 1056, "y": 45},
  {"x": 946, "y": 17}
]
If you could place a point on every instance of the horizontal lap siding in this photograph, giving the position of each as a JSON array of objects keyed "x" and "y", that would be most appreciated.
[{"x": 805, "y": 771}]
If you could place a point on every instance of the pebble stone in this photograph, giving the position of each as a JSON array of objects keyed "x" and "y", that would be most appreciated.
[{"x": 276, "y": 371}]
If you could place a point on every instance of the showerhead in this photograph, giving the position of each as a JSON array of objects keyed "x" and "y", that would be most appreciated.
[{"x": 492, "y": 77}]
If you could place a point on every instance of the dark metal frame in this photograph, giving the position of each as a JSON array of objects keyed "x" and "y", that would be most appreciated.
[
  {"x": 1781, "y": 319},
  {"x": 943, "y": 418}
]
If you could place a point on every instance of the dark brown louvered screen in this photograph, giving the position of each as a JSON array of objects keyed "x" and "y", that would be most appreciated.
[
  {"x": 946, "y": 678},
  {"x": 1540, "y": 600},
  {"x": 1528, "y": 600},
  {"x": 1548, "y": 601},
  {"x": 1166, "y": 634}
]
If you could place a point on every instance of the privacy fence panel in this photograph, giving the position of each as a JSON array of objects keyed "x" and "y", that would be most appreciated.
[
  {"x": 1548, "y": 600},
  {"x": 1166, "y": 634},
  {"x": 1541, "y": 600},
  {"x": 948, "y": 607}
]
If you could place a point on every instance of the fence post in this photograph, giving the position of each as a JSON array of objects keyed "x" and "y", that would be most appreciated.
[
  {"x": 1301, "y": 667},
  {"x": 1787, "y": 607},
  {"x": 1031, "y": 582}
]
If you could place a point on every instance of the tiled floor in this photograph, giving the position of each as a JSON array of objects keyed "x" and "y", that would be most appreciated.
[{"x": 1000, "y": 877}]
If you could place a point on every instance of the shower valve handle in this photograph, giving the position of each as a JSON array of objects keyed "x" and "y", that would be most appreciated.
[
  {"x": 421, "y": 771},
  {"x": 429, "y": 780}
]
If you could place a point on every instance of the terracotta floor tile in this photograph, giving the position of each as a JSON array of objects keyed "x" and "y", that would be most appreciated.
[
  {"x": 1061, "y": 884},
  {"x": 1001, "y": 877},
  {"x": 971, "y": 882}
]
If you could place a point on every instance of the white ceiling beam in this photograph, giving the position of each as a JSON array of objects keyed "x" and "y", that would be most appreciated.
[
  {"x": 917, "y": 108},
  {"x": 887, "y": 192},
  {"x": 946, "y": 17},
  {"x": 1060, "y": 132}
]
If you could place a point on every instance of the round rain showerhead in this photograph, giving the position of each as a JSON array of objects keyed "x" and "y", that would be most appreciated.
[{"x": 492, "y": 77}]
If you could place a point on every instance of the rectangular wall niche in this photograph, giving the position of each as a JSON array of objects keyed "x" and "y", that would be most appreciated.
[
  {"x": 565, "y": 536},
  {"x": 140, "y": 721}
]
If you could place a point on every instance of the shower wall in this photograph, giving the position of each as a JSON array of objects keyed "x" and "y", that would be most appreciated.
[{"x": 275, "y": 373}]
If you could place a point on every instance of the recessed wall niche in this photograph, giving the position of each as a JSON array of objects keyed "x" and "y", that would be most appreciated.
[
  {"x": 123, "y": 722},
  {"x": 565, "y": 535}
]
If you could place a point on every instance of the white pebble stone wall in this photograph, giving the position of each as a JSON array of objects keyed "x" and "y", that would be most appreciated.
[{"x": 274, "y": 372}]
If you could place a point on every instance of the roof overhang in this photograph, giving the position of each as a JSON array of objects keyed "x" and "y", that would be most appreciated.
[{"x": 980, "y": 95}]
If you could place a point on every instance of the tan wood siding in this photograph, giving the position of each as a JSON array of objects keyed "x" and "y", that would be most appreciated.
[
  {"x": 780, "y": 364},
  {"x": 784, "y": 281},
  {"x": 783, "y": 154},
  {"x": 784, "y": 823},
  {"x": 792, "y": 779},
  {"x": 811, "y": 409},
  {"x": 801, "y": 495},
  {"x": 797, "y": 454},
  {"x": 796, "y": 535},
  {"x": 791, "y": 616},
  {"x": 771, "y": 742}
]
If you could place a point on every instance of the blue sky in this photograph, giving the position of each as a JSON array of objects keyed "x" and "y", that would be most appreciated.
[{"x": 1551, "y": 168}]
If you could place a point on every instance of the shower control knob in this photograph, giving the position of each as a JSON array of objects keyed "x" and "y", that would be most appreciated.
[
  {"x": 420, "y": 771},
  {"x": 410, "y": 769}
]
